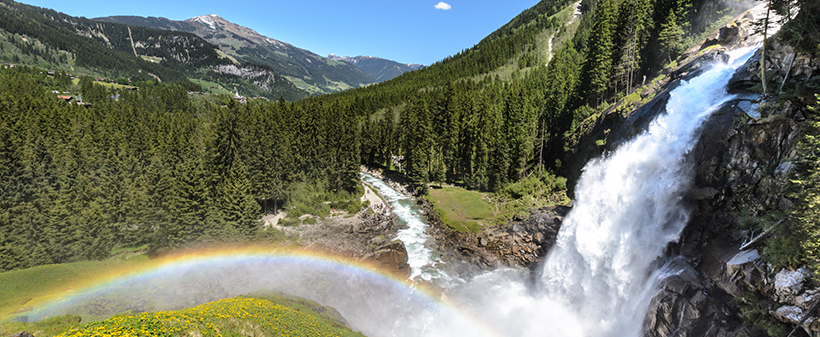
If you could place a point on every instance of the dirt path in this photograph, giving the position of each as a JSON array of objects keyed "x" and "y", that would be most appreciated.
[
  {"x": 371, "y": 196},
  {"x": 273, "y": 219},
  {"x": 549, "y": 48}
]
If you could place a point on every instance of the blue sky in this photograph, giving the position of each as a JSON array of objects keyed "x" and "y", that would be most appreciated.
[{"x": 408, "y": 31}]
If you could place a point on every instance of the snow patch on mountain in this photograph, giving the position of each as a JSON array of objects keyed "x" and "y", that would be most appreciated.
[{"x": 208, "y": 20}]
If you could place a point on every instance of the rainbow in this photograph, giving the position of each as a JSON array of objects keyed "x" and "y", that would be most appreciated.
[{"x": 269, "y": 262}]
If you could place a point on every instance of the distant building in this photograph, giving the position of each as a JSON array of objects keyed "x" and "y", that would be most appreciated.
[
  {"x": 66, "y": 98},
  {"x": 241, "y": 99}
]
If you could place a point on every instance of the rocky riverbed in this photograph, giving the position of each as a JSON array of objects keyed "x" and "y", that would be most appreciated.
[
  {"x": 369, "y": 236},
  {"x": 521, "y": 243}
]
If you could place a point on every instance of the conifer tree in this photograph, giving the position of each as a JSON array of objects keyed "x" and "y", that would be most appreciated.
[
  {"x": 671, "y": 35},
  {"x": 600, "y": 61}
]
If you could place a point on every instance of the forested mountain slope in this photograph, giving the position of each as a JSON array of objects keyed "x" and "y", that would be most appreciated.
[
  {"x": 309, "y": 71},
  {"x": 506, "y": 108},
  {"x": 61, "y": 42}
]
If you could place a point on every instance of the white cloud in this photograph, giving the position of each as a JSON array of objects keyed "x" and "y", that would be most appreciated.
[{"x": 443, "y": 6}]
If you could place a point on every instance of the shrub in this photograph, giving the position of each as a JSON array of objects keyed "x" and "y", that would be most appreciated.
[{"x": 541, "y": 182}]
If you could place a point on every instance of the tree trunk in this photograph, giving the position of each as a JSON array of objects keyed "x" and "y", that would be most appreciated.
[
  {"x": 763, "y": 50},
  {"x": 541, "y": 151}
]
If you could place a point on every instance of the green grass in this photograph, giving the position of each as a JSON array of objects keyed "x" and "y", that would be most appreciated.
[
  {"x": 266, "y": 314},
  {"x": 315, "y": 199},
  {"x": 301, "y": 84},
  {"x": 462, "y": 209},
  {"x": 702, "y": 51},
  {"x": 76, "y": 81},
  {"x": 47, "y": 327},
  {"x": 240, "y": 316},
  {"x": 20, "y": 289},
  {"x": 207, "y": 84},
  {"x": 466, "y": 210}
]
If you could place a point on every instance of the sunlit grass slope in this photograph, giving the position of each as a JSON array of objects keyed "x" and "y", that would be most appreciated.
[
  {"x": 241, "y": 316},
  {"x": 462, "y": 209},
  {"x": 20, "y": 288}
]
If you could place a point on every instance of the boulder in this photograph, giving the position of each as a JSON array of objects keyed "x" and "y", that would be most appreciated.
[
  {"x": 392, "y": 256},
  {"x": 789, "y": 284},
  {"x": 731, "y": 35},
  {"x": 682, "y": 306},
  {"x": 789, "y": 313}
]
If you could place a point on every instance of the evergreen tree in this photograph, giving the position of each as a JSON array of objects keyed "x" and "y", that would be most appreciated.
[
  {"x": 671, "y": 35},
  {"x": 633, "y": 35},
  {"x": 600, "y": 59}
]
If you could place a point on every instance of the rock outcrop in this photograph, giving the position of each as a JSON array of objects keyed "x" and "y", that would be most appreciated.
[
  {"x": 523, "y": 242},
  {"x": 784, "y": 68},
  {"x": 742, "y": 164},
  {"x": 392, "y": 256},
  {"x": 366, "y": 236}
]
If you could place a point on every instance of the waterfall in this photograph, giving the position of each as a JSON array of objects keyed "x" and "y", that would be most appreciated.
[
  {"x": 602, "y": 272},
  {"x": 628, "y": 209}
]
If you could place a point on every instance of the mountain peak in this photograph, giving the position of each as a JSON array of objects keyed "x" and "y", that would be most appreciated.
[{"x": 209, "y": 20}]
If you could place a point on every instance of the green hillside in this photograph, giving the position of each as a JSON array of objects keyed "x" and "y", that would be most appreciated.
[
  {"x": 157, "y": 167},
  {"x": 18, "y": 288},
  {"x": 233, "y": 316},
  {"x": 272, "y": 314}
]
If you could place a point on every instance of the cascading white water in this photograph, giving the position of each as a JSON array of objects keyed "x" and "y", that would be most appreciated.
[
  {"x": 628, "y": 209},
  {"x": 421, "y": 258}
]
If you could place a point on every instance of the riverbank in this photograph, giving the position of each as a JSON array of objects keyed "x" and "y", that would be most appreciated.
[
  {"x": 522, "y": 242},
  {"x": 394, "y": 179}
]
